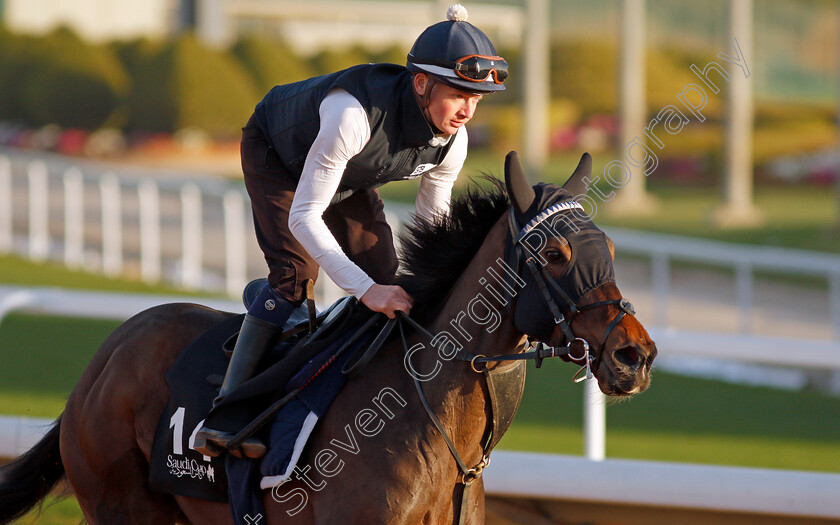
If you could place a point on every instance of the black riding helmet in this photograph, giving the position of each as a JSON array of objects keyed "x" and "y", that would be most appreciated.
[{"x": 458, "y": 54}]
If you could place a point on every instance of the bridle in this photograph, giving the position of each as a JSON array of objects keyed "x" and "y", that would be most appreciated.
[
  {"x": 545, "y": 281},
  {"x": 502, "y": 378}
]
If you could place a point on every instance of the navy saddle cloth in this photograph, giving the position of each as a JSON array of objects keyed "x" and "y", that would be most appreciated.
[{"x": 194, "y": 379}]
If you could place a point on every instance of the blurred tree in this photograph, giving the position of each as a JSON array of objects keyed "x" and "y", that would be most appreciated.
[
  {"x": 332, "y": 60},
  {"x": 137, "y": 57},
  {"x": 394, "y": 54},
  {"x": 70, "y": 83},
  {"x": 585, "y": 71},
  {"x": 270, "y": 62},
  {"x": 185, "y": 84},
  {"x": 135, "y": 53},
  {"x": 18, "y": 56}
]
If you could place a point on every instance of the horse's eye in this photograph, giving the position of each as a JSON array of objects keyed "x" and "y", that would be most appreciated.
[{"x": 554, "y": 256}]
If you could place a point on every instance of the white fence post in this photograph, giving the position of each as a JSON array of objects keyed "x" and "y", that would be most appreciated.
[
  {"x": 74, "y": 218},
  {"x": 594, "y": 421},
  {"x": 109, "y": 187},
  {"x": 236, "y": 270},
  {"x": 39, "y": 199},
  {"x": 149, "y": 199},
  {"x": 191, "y": 246},
  {"x": 661, "y": 284},
  {"x": 5, "y": 204},
  {"x": 744, "y": 291},
  {"x": 834, "y": 302}
]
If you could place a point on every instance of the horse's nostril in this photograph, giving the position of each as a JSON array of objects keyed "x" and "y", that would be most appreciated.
[{"x": 629, "y": 357}]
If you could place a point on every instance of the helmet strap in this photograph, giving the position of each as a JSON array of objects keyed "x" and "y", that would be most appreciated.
[{"x": 426, "y": 99}]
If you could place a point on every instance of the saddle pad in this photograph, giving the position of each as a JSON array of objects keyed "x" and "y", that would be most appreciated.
[
  {"x": 175, "y": 468},
  {"x": 290, "y": 431}
]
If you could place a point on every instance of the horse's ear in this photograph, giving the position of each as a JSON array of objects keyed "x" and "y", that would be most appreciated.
[
  {"x": 578, "y": 183},
  {"x": 520, "y": 192}
]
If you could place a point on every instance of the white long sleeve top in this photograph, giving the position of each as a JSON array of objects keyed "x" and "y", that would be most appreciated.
[{"x": 344, "y": 132}]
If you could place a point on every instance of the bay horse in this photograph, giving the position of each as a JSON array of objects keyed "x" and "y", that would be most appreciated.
[{"x": 508, "y": 263}]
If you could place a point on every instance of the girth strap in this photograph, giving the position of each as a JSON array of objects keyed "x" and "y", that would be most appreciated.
[{"x": 465, "y": 497}]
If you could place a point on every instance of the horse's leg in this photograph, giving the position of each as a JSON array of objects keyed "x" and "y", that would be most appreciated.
[
  {"x": 200, "y": 511},
  {"x": 111, "y": 486},
  {"x": 98, "y": 445},
  {"x": 288, "y": 504},
  {"x": 112, "y": 414}
]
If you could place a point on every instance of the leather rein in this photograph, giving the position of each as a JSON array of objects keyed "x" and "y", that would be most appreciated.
[{"x": 502, "y": 381}]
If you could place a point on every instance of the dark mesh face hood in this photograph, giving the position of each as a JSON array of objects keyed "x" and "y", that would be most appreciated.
[{"x": 554, "y": 213}]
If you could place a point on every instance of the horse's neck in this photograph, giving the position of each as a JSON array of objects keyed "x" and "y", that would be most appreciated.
[
  {"x": 474, "y": 313},
  {"x": 474, "y": 317}
]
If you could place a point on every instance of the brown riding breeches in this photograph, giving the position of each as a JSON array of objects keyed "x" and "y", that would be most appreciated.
[{"x": 357, "y": 222}]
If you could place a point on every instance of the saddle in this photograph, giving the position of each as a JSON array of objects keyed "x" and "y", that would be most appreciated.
[
  {"x": 303, "y": 318},
  {"x": 310, "y": 343},
  {"x": 305, "y": 336}
]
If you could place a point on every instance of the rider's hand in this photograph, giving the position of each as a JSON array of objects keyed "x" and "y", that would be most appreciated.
[{"x": 387, "y": 299}]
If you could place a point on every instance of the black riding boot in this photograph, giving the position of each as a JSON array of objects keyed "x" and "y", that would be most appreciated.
[{"x": 255, "y": 338}]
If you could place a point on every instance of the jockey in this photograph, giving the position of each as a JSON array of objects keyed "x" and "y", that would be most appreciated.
[{"x": 312, "y": 155}]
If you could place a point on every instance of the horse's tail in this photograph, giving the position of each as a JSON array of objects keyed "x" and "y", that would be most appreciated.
[{"x": 27, "y": 480}]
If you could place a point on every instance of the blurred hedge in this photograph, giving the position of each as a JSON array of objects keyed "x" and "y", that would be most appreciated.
[
  {"x": 59, "y": 79},
  {"x": 330, "y": 60},
  {"x": 270, "y": 63},
  {"x": 185, "y": 84},
  {"x": 165, "y": 86},
  {"x": 17, "y": 56},
  {"x": 148, "y": 108}
]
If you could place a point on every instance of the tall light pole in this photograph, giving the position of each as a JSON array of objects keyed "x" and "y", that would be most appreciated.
[
  {"x": 737, "y": 208},
  {"x": 537, "y": 99},
  {"x": 837, "y": 150},
  {"x": 212, "y": 22},
  {"x": 633, "y": 197}
]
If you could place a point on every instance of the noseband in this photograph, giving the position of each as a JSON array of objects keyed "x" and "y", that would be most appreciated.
[
  {"x": 544, "y": 280},
  {"x": 504, "y": 384},
  {"x": 541, "y": 350}
]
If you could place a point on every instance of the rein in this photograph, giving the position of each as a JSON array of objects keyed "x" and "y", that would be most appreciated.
[
  {"x": 540, "y": 351},
  {"x": 501, "y": 414},
  {"x": 510, "y": 381},
  {"x": 506, "y": 383}
]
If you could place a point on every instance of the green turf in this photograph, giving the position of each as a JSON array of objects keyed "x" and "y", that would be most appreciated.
[
  {"x": 678, "y": 419},
  {"x": 687, "y": 420},
  {"x": 21, "y": 272},
  {"x": 31, "y": 404},
  {"x": 54, "y": 512},
  {"x": 47, "y": 354}
]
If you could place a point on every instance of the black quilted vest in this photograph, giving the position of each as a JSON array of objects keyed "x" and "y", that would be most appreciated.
[{"x": 399, "y": 134}]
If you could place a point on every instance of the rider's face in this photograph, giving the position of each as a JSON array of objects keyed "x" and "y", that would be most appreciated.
[{"x": 449, "y": 108}]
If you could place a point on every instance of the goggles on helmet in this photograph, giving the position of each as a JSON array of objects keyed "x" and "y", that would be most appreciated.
[{"x": 478, "y": 68}]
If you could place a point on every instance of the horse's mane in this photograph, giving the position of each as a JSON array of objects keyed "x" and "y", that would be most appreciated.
[{"x": 434, "y": 254}]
